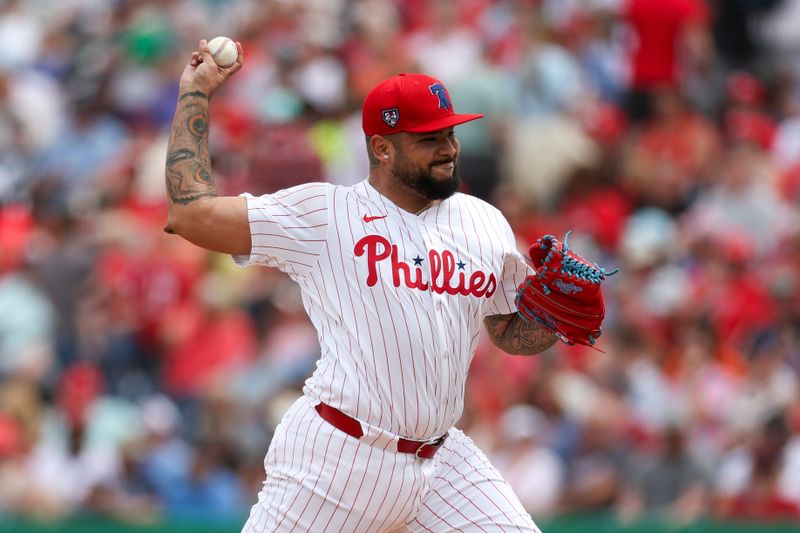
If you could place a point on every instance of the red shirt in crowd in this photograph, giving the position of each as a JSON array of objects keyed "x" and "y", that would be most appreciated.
[{"x": 658, "y": 25}]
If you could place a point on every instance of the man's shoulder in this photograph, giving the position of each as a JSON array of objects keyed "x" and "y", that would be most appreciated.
[
  {"x": 487, "y": 219},
  {"x": 303, "y": 191},
  {"x": 468, "y": 201}
]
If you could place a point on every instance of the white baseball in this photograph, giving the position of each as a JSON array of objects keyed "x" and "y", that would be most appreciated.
[{"x": 224, "y": 51}]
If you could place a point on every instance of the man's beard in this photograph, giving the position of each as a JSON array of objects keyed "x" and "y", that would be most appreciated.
[{"x": 422, "y": 180}]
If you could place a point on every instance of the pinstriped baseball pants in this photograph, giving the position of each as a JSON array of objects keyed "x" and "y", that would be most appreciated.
[{"x": 320, "y": 479}]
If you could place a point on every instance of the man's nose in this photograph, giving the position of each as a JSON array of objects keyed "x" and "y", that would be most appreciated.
[{"x": 449, "y": 147}]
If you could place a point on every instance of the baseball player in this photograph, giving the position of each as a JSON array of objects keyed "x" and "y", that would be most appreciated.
[{"x": 398, "y": 273}]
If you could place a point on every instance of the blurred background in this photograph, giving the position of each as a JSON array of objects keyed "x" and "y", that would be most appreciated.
[{"x": 141, "y": 378}]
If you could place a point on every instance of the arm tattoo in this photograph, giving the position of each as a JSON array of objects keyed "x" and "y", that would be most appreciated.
[
  {"x": 188, "y": 169},
  {"x": 516, "y": 335},
  {"x": 194, "y": 93}
]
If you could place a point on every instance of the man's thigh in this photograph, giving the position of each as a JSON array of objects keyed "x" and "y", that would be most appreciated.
[
  {"x": 320, "y": 479},
  {"x": 468, "y": 494}
]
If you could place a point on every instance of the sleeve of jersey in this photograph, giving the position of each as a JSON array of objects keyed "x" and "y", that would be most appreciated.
[
  {"x": 288, "y": 229},
  {"x": 515, "y": 269}
]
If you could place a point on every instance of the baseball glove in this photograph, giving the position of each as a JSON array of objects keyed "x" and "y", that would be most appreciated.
[{"x": 564, "y": 294}]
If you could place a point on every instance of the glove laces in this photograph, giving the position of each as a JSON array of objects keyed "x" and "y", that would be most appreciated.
[{"x": 591, "y": 273}]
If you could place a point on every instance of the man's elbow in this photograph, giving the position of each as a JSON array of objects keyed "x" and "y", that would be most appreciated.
[
  {"x": 173, "y": 225},
  {"x": 169, "y": 226},
  {"x": 179, "y": 220}
]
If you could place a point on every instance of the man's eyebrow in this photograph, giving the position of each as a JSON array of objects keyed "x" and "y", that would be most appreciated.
[{"x": 420, "y": 135}]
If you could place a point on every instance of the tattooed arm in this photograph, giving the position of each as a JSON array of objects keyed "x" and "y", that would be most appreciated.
[
  {"x": 515, "y": 335},
  {"x": 196, "y": 213}
]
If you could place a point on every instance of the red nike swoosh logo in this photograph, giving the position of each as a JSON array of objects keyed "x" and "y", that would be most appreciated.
[{"x": 368, "y": 218}]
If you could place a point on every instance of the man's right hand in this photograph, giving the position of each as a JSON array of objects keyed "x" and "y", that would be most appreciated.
[{"x": 203, "y": 74}]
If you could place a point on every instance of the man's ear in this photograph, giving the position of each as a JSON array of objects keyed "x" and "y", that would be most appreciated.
[{"x": 382, "y": 148}]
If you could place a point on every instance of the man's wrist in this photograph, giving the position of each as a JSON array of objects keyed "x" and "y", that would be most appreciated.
[{"x": 192, "y": 94}]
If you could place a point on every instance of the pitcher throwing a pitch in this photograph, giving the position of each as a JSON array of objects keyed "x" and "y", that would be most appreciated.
[{"x": 398, "y": 274}]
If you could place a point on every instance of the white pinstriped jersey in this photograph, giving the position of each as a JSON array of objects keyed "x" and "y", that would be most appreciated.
[{"x": 398, "y": 299}]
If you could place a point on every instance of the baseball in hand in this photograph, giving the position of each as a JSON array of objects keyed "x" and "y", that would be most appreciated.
[{"x": 224, "y": 51}]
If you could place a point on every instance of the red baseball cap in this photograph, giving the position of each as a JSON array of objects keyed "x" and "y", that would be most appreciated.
[{"x": 409, "y": 102}]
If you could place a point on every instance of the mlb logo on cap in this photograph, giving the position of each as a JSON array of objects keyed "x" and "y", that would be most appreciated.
[
  {"x": 409, "y": 102},
  {"x": 391, "y": 117}
]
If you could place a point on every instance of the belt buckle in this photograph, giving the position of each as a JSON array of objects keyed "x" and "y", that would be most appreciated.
[{"x": 432, "y": 442}]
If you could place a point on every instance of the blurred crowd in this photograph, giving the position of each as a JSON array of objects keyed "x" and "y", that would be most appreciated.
[{"x": 141, "y": 377}]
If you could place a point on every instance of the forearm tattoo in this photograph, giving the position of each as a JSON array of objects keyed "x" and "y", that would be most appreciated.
[
  {"x": 516, "y": 335},
  {"x": 188, "y": 170}
]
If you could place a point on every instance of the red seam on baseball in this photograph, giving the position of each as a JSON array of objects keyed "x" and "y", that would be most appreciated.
[{"x": 221, "y": 48}]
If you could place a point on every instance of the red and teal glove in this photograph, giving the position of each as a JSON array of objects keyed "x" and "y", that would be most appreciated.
[{"x": 565, "y": 293}]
